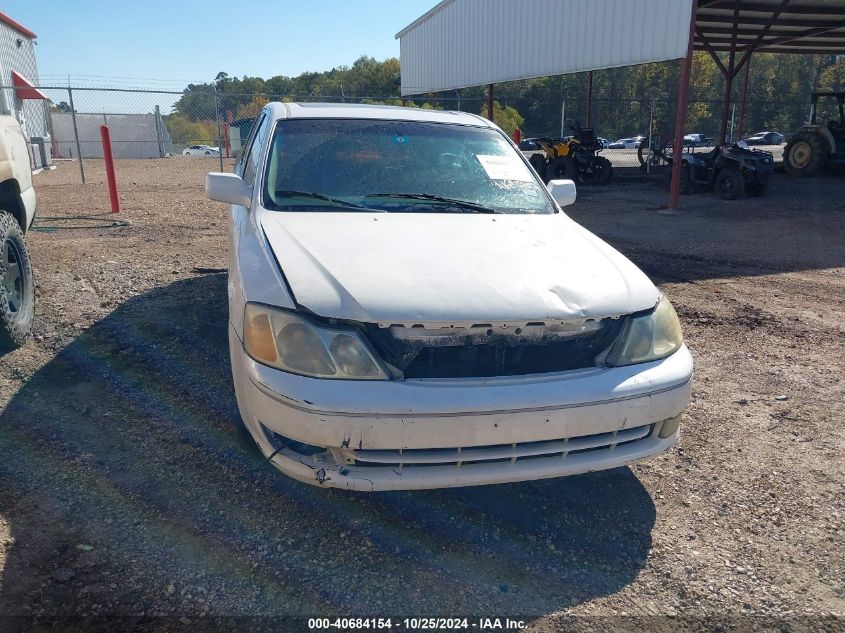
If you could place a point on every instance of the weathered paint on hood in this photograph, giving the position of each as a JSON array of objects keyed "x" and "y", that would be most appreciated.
[{"x": 439, "y": 269}]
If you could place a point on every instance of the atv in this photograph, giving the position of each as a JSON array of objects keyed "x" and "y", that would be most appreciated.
[
  {"x": 574, "y": 157},
  {"x": 730, "y": 170}
]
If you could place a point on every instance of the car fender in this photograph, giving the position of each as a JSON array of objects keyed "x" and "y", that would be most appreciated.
[{"x": 254, "y": 274}]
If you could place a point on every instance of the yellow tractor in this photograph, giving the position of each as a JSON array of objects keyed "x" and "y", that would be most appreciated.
[{"x": 575, "y": 157}]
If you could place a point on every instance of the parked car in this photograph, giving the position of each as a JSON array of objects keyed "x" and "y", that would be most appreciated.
[
  {"x": 765, "y": 138},
  {"x": 201, "y": 150},
  {"x": 410, "y": 308},
  {"x": 604, "y": 142},
  {"x": 626, "y": 143},
  {"x": 697, "y": 140},
  {"x": 17, "y": 211}
]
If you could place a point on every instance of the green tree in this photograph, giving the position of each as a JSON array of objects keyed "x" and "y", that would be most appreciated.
[
  {"x": 507, "y": 117},
  {"x": 185, "y": 132},
  {"x": 778, "y": 94}
]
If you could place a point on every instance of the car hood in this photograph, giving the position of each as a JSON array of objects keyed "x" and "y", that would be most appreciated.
[{"x": 437, "y": 269}]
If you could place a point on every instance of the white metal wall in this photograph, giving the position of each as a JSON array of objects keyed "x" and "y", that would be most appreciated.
[
  {"x": 20, "y": 58},
  {"x": 132, "y": 135},
  {"x": 463, "y": 43}
]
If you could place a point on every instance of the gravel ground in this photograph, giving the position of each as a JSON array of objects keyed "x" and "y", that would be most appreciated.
[{"x": 126, "y": 489}]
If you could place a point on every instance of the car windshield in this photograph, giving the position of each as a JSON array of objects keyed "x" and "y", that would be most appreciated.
[{"x": 397, "y": 166}]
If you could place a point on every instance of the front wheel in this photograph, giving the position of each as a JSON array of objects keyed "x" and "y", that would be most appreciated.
[
  {"x": 657, "y": 154},
  {"x": 730, "y": 184},
  {"x": 563, "y": 168},
  {"x": 805, "y": 154},
  {"x": 17, "y": 291},
  {"x": 602, "y": 170},
  {"x": 540, "y": 165}
]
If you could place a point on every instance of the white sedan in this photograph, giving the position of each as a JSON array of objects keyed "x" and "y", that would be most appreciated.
[
  {"x": 410, "y": 308},
  {"x": 626, "y": 143},
  {"x": 201, "y": 150}
]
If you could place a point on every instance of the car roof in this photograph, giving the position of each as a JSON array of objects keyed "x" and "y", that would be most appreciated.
[{"x": 366, "y": 111}]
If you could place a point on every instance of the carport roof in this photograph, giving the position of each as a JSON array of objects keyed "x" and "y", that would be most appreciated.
[
  {"x": 460, "y": 43},
  {"x": 771, "y": 26}
]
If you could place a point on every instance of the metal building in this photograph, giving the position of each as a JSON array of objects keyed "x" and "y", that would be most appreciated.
[
  {"x": 462, "y": 43},
  {"x": 19, "y": 76},
  {"x": 133, "y": 135}
]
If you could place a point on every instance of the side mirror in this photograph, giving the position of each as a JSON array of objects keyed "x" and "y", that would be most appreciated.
[
  {"x": 229, "y": 188},
  {"x": 563, "y": 191}
]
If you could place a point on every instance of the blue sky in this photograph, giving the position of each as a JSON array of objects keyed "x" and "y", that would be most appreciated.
[{"x": 125, "y": 42}]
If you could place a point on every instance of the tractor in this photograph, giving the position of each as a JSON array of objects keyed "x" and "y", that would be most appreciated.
[
  {"x": 575, "y": 157},
  {"x": 815, "y": 146}
]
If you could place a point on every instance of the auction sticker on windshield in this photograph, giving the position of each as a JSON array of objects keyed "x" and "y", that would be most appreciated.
[{"x": 504, "y": 167}]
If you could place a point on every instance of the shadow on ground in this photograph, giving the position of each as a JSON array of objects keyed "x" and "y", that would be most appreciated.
[
  {"x": 130, "y": 492},
  {"x": 797, "y": 226}
]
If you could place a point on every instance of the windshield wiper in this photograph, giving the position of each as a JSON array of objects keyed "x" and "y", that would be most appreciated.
[
  {"x": 291, "y": 193},
  {"x": 464, "y": 204}
]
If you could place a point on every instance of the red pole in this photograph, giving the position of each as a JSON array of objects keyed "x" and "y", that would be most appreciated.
[
  {"x": 729, "y": 82},
  {"x": 742, "y": 101},
  {"x": 681, "y": 114},
  {"x": 517, "y": 136},
  {"x": 105, "y": 137}
]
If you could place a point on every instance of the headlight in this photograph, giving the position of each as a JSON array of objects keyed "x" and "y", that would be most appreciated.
[
  {"x": 648, "y": 337},
  {"x": 289, "y": 342}
]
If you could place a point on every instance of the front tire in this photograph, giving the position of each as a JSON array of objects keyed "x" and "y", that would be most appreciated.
[
  {"x": 730, "y": 184},
  {"x": 602, "y": 170},
  {"x": 805, "y": 154},
  {"x": 540, "y": 165},
  {"x": 563, "y": 168},
  {"x": 17, "y": 290}
]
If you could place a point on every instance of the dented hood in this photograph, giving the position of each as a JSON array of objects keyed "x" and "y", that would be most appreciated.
[{"x": 438, "y": 268}]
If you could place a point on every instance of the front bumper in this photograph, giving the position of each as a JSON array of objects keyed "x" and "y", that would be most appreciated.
[{"x": 414, "y": 434}]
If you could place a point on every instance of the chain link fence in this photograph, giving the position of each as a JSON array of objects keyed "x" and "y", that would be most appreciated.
[
  {"x": 158, "y": 136},
  {"x": 167, "y": 138}
]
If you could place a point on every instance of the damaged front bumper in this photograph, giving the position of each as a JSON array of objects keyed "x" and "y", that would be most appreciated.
[{"x": 415, "y": 434}]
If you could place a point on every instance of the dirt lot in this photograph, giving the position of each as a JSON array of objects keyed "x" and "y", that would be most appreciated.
[{"x": 125, "y": 489}]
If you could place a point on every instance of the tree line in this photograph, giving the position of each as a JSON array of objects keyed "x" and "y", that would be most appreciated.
[{"x": 778, "y": 94}]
